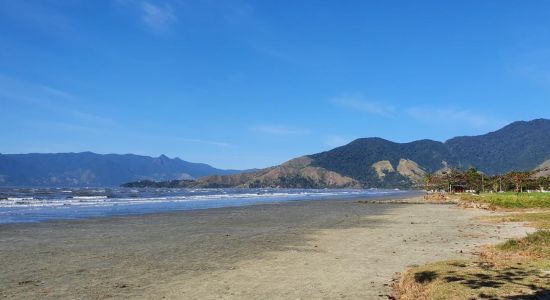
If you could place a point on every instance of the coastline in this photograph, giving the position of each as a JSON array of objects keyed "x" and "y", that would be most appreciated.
[
  {"x": 23, "y": 205},
  {"x": 299, "y": 249}
]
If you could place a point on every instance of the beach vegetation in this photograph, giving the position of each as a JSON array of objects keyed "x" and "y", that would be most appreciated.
[
  {"x": 515, "y": 269},
  {"x": 472, "y": 180},
  {"x": 511, "y": 200},
  {"x": 538, "y": 219}
]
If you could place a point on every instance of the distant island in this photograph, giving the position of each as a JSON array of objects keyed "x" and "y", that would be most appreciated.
[{"x": 376, "y": 162}]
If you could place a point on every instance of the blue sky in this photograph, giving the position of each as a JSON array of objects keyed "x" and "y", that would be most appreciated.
[{"x": 244, "y": 84}]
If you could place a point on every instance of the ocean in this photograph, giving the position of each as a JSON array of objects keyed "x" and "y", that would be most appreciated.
[{"x": 42, "y": 204}]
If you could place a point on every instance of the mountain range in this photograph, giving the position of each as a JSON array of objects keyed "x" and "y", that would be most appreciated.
[
  {"x": 92, "y": 169},
  {"x": 365, "y": 162},
  {"x": 376, "y": 162}
]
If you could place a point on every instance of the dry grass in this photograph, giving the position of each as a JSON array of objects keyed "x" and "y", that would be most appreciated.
[
  {"x": 516, "y": 269},
  {"x": 537, "y": 219},
  {"x": 505, "y": 272},
  {"x": 517, "y": 279}
]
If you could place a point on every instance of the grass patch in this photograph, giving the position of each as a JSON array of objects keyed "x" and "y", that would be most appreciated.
[
  {"x": 474, "y": 280},
  {"x": 511, "y": 200},
  {"x": 535, "y": 244},
  {"x": 540, "y": 220},
  {"x": 516, "y": 269}
]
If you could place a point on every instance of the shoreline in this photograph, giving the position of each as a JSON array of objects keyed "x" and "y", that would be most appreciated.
[
  {"x": 76, "y": 213},
  {"x": 299, "y": 249}
]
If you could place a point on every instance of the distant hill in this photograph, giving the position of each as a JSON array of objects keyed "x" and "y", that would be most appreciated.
[
  {"x": 376, "y": 162},
  {"x": 296, "y": 173},
  {"x": 91, "y": 169},
  {"x": 518, "y": 146},
  {"x": 381, "y": 163}
]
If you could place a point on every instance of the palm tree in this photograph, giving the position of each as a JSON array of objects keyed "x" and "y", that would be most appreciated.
[{"x": 428, "y": 179}]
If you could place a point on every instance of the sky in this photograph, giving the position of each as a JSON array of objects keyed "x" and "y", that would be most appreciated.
[{"x": 249, "y": 84}]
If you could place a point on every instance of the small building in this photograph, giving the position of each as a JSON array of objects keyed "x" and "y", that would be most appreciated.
[{"x": 458, "y": 188}]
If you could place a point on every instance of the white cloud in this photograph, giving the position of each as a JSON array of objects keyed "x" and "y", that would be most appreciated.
[
  {"x": 279, "y": 130},
  {"x": 157, "y": 17},
  {"x": 451, "y": 115},
  {"x": 359, "y": 104}
]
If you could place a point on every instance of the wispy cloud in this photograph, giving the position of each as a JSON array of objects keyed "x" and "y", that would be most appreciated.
[
  {"x": 530, "y": 60},
  {"x": 45, "y": 17},
  {"x": 273, "y": 52},
  {"x": 359, "y": 104},
  {"x": 279, "y": 130},
  {"x": 89, "y": 118},
  {"x": 14, "y": 88},
  {"x": 234, "y": 12},
  {"x": 335, "y": 140},
  {"x": 452, "y": 115},
  {"x": 56, "y": 92},
  {"x": 158, "y": 16},
  {"x": 62, "y": 126},
  {"x": 207, "y": 142},
  {"x": 180, "y": 139},
  {"x": 538, "y": 73},
  {"x": 45, "y": 100}
]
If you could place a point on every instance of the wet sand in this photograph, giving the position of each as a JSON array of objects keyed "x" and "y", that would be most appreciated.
[{"x": 298, "y": 250}]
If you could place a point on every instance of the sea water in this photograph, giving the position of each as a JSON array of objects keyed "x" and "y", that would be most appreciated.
[{"x": 41, "y": 204}]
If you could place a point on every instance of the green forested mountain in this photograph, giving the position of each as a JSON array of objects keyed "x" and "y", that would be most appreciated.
[
  {"x": 376, "y": 162},
  {"x": 357, "y": 158},
  {"x": 518, "y": 146}
]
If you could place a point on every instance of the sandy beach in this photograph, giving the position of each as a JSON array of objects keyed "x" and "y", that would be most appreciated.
[{"x": 328, "y": 249}]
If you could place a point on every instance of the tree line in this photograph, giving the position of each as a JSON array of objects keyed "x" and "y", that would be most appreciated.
[{"x": 453, "y": 180}]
